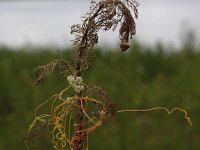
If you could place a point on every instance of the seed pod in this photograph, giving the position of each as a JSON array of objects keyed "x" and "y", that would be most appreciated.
[
  {"x": 124, "y": 46},
  {"x": 102, "y": 113},
  {"x": 79, "y": 80}
]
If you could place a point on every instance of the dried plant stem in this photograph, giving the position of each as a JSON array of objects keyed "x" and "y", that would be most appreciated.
[{"x": 79, "y": 125}]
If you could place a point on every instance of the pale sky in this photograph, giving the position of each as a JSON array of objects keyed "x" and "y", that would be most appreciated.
[{"x": 42, "y": 22}]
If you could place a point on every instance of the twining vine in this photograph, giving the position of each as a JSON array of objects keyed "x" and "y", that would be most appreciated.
[{"x": 71, "y": 118}]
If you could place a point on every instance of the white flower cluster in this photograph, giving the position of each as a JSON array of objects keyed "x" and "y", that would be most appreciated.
[
  {"x": 69, "y": 99},
  {"x": 76, "y": 83}
]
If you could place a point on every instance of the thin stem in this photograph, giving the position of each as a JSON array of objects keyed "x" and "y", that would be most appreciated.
[{"x": 159, "y": 108}]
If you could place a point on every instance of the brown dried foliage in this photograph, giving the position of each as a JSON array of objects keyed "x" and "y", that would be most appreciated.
[
  {"x": 45, "y": 70},
  {"x": 91, "y": 90},
  {"x": 105, "y": 15}
]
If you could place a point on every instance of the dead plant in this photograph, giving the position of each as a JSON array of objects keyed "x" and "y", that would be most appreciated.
[{"x": 90, "y": 105}]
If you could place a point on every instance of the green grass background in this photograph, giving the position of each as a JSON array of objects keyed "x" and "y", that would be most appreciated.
[{"x": 143, "y": 77}]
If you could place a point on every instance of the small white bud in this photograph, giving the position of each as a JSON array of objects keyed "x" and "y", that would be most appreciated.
[
  {"x": 69, "y": 98},
  {"x": 77, "y": 89},
  {"x": 102, "y": 113},
  {"x": 73, "y": 82},
  {"x": 68, "y": 78},
  {"x": 79, "y": 80},
  {"x": 82, "y": 87}
]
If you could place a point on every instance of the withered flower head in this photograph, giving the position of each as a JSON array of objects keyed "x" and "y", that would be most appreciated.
[{"x": 105, "y": 15}]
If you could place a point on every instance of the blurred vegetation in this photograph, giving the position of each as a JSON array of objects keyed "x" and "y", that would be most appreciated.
[{"x": 143, "y": 77}]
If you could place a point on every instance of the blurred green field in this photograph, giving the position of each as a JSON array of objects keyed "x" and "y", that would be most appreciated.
[{"x": 144, "y": 77}]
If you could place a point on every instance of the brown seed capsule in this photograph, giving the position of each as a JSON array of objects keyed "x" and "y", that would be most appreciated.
[{"x": 124, "y": 46}]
